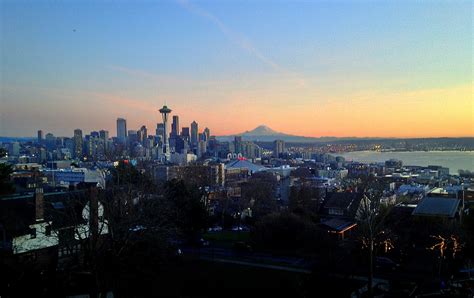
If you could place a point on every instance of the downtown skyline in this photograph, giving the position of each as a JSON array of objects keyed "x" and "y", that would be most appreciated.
[{"x": 394, "y": 70}]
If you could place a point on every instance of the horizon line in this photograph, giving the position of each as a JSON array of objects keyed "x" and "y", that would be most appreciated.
[{"x": 320, "y": 137}]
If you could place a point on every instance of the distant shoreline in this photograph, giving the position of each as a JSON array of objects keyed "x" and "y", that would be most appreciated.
[
  {"x": 453, "y": 159},
  {"x": 403, "y": 151}
]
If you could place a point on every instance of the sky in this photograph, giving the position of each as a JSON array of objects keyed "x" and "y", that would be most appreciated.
[{"x": 313, "y": 68}]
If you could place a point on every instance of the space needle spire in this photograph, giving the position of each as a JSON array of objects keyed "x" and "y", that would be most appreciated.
[{"x": 166, "y": 146}]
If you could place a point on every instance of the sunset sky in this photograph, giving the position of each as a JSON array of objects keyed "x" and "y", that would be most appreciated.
[{"x": 312, "y": 68}]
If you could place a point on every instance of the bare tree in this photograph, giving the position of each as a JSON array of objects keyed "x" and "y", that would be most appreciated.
[{"x": 371, "y": 216}]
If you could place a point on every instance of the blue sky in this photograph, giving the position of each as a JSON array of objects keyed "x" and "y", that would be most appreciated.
[{"x": 81, "y": 64}]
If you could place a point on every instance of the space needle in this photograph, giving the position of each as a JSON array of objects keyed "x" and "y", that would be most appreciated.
[{"x": 166, "y": 146}]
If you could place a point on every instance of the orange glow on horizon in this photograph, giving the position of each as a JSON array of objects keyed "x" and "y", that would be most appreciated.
[
  {"x": 291, "y": 109},
  {"x": 423, "y": 113}
]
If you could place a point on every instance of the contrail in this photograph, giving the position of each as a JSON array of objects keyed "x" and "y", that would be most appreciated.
[{"x": 234, "y": 37}]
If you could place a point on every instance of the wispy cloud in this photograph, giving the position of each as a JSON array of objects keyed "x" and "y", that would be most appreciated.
[
  {"x": 242, "y": 41},
  {"x": 233, "y": 36}
]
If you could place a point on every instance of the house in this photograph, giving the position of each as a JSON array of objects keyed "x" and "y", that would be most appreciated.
[
  {"x": 339, "y": 212},
  {"x": 342, "y": 204},
  {"x": 48, "y": 227},
  {"x": 339, "y": 226}
]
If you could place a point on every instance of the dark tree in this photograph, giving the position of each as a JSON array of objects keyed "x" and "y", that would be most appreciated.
[
  {"x": 285, "y": 231},
  {"x": 187, "y": 206},
  {"x": 125, "y": 174},
  {"x": 372, "y": 230},
  {"x": 259, "y": 194},
  {"x": 304, "y": 200},
  {"x": 6, "y": 186}
]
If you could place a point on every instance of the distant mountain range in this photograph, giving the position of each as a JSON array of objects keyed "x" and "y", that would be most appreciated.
[{"x": 264, "y": 133}]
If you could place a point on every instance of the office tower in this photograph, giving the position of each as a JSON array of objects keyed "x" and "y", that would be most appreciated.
[
  {"x": 78, "y": 143},
  {"x": 88, "y": 145},
  {"x": 142, "y": 134},
  {"x": 50, "y": 141},
  {"x": 238, "y": 144},
  {"x": 201, "y": 148},
  {"x": 40, "y": 136},
  {"x": 278, "y": 148},
  {"x": 166, "y": 146},
  {"x": 95, "y": 134},
  {"x": 104, "y": 135},
  {"x": 174, "y": 135},
  {"x": 121, "y": 130},
  {"x": 160, "y": 130},
  {"x": 185, "y": 134},
  {"x": 150, "y": 141},
  {"x": 180, "y": 144},
  {"x": 139, "y": 136},
  {"x": 212, "y": 145},
  {"x": 14, "y": 149},
  {"x": 250, "y": 150},
  {"x": 69, "y": 146},
  {"x": 60, "y": 142},
  {"x": 207, "y": 132},
  {"x": 42, "y": 155},
  {"x": 175, "y": 126},
  {"x": 132, "y": 136},
  {"x": 194, "y": 134}
]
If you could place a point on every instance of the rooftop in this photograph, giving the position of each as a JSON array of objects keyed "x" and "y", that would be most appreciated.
[
  {"x": 435, "y": 206},
  {"x": 244, "y": 164},
  {"x": 339, "y": 225}
]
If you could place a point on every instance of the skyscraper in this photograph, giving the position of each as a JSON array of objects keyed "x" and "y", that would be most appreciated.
[
  {"x": 166, "y": 146},
  {"x": 40, "y": 136},
  {"x": 78, "y": 143},
  {"x": 207, "y": 132},
  {"x": 201, "y": 148},
  {"x": 50, "y": 141},
  {"x": 121, "y": 130},
  {"x": 175, "y": 126},
  {"x": 132, "y": 137},
  {"x": 160, "y": 130},
  {"x": 104, "y": 135},
  {"x": 278, "y": 148},
  {"x": 194, "y": 133},
  {"x": 143, "y": 135},
  {"x": 238, "y": 144},
  {"x": 185, "y": 133}
]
